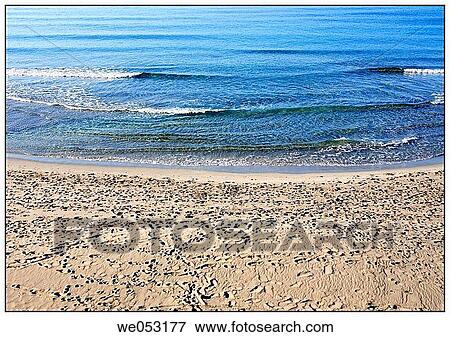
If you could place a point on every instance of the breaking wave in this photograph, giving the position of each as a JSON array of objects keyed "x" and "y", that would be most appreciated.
[
  {"x": 437, "y": 99},
  {"x": 100, "y": 74},
  {"x": 155, "y": 111},
  {"x": 113, "y": 74},
  {"x": 408, "y": 71}
]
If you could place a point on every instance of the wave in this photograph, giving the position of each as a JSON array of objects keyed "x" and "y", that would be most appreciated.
[
  {"x": 318, "y": 52},
  {"x": 106, "y": 37},
  {"x": 325, "y": 108},
  {"x": 413, "y": 71},
  {"x": 71, "y": 72},
  {"x": 438, "y": 99},
  {"x": 405, "y": 140},
  {"x": 101, "y": 74},
  {"x": 331, "y": 144},
  {"x": 407, "y": 71},
  {"x": 174, "y": 144},
  {"x": 171, "y": 75},
  {"x": 148, "y": 110},
  {"x": 113, "y": 74}
]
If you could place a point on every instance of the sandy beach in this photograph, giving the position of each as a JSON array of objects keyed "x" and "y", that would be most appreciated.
[{"x": 396, "y": 263}]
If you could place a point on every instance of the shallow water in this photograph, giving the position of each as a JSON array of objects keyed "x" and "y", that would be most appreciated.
[{"x": 241, "y": 86}]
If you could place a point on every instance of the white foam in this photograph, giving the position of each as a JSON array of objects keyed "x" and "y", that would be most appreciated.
[
  {"x": 153, "y": 111},
  {"x": 105, "y": 74},
  {"x": 438, "y": 98},
  {"x": 415, "y": 71},
  {"x": 405, "y": 140},
  {"x": 67, "y": 106},
  {"x": 171, "y": 111}
]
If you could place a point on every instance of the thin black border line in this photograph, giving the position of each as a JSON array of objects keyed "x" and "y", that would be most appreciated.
[{"x": 219, "y": 5}]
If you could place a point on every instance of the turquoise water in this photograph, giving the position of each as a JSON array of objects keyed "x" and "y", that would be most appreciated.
[{"x": 238, "y": 86}]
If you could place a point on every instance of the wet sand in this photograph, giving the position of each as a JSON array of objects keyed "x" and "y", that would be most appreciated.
[{"x": 341, "y": 241}]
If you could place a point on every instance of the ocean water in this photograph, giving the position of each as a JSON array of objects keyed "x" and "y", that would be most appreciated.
[{"x": 221, "y": 86}]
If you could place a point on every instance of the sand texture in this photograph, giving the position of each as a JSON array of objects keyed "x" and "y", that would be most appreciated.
[{"x": 404, "y": 271}]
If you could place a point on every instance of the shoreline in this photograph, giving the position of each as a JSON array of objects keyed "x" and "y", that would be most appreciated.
[{"x": 201, "y": 174}]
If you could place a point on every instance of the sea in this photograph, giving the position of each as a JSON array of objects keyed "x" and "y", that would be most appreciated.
[{"x": 196, "y": 86}]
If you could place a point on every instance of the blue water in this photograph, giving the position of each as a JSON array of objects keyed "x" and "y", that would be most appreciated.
[{"x": 275, "y": 86}]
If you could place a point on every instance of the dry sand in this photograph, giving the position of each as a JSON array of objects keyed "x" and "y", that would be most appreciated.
[{"x": 404, "y": 271}]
